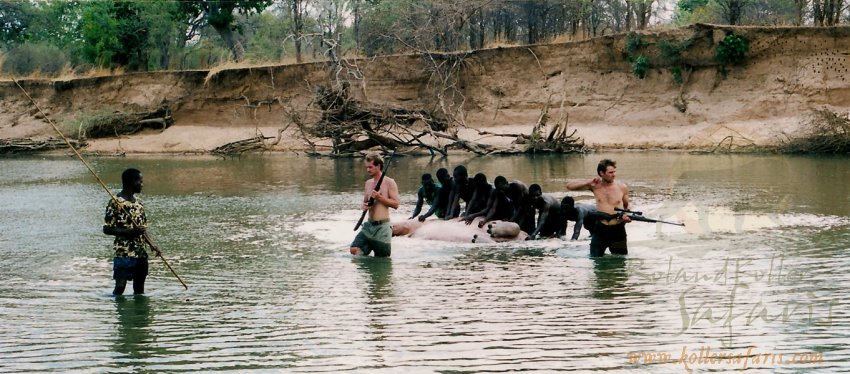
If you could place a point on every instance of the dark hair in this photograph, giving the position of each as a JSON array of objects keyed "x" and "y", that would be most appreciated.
[
  {"x": 603, "y": 166},
  {"x": 442, "y": 174},
  {"x": 427, "y": 177},
  {"x": 130, "y": 176},
  {"x": 460, "y": 172},
  {"x": 568, "y": 207},
  {"x": 500, "y": 179},
  {"x": 534, "y": 187},
  {"x": 480, "y": 179}
]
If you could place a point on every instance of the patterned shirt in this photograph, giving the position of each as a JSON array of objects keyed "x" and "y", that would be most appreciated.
[{"x": 131, "y": 215}]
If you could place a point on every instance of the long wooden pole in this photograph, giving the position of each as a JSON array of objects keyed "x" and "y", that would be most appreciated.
[{"x": 105, "y": 188}]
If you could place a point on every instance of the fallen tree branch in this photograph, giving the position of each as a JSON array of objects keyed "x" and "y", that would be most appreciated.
[{"x": 28, "y": 145}]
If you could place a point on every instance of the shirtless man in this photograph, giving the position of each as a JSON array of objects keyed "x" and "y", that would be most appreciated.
[
  {"x": 462, "y": 189},
  {"x": 608, "y": 232},
  {"x": 376, "y": 234},
  {"x": 441, "y": 203},
  {"x": 499, "y": 205},
  {"x": 550, "y": 222},
  {"x": 478, "y": 205}
]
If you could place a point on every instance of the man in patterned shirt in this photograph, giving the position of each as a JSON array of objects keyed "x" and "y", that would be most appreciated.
[{"x": 127, "y": 223}]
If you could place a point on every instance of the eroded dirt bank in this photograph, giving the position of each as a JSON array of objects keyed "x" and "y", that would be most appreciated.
[{"x": 787, "y": 72}]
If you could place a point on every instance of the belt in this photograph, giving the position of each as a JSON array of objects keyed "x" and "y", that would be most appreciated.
[{"x": 381, "y": 222}]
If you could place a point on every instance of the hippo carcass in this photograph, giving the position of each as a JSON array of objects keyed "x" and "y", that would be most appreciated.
[{"x": 456, "y": 230}]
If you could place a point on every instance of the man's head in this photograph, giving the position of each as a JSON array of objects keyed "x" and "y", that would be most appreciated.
[
  {"x": 607, "y": 170},
  {"x": 480, "y": 180},
  {"x": 374, "y": 164},
  {"x": 427, "y": 181},
  {"x": 535, "y": 192},
  {"x": 443, "y": 175},
  {"x": 501, "y": 184},
  {"x": 568, "y": 202},
  {"x": 460, "y": 172},
  {"x": 132, "y": 180}
]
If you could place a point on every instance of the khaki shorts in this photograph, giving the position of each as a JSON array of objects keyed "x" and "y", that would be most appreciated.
[{"x": 374, "y": 236}]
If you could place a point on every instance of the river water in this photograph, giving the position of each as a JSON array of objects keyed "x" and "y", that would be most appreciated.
[{"x": 759, "y": 272}]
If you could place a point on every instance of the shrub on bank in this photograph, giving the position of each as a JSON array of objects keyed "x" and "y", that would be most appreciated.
[{"x": 34, "y": 59}]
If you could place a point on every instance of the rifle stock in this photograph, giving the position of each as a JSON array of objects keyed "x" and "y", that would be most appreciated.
[{"x": 377, "y": 188}]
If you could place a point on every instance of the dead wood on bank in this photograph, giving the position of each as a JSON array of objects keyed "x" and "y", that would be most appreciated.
[
  {"x": 353, "y": 127},
  {"x": 27, "y": 145},
  {"x": 124, "y": 123},
  {"x": 825, "y": 132},
  {"x": 257, "y": 143}
]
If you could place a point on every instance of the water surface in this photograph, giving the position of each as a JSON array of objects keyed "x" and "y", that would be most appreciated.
[{"x": 262, "y": 242}]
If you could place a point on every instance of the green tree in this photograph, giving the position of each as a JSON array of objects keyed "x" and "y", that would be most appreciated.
[
  {"x": 219, "y": 14},
  {"x": 100, "y": 33},
  {"x": 15, "y": 18}
]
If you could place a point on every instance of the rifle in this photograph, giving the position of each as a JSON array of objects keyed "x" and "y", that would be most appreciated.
[
  {"x": 377, "y": 188},
  {"x": 638, "y": 216}
]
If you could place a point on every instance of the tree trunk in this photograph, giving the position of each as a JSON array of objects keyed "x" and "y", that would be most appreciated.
[
  {"x": 297, "y": 27},
  {"x": 232, "y": 43},
  {"x": 799, "y": 7},
  {"x": 817, "y": 12}
]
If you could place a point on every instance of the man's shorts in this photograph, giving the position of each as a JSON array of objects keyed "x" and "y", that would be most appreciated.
[
  {"x": 375, "y": 236},
  {"x": 611, "y": 237},
  {"x": 129, "y": 268}
]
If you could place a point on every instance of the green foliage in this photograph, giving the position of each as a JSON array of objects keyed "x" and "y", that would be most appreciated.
[
  {"x": 640, "y": 67},
  {"x": 634, "y": 44},
  {"x": 697, "y": 11},
  {"x": 731, "y": 50},
  {"x": 100, "y": 33},
  {"x": 676, "y": 72},
  {"x": 28, "y": 59},
  {"x": 671, "y": 51},
  {"x": 15, "y": 18},
  {"x": 690, "y": 5}
]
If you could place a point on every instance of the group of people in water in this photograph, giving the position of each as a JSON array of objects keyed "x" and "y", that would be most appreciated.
[
  {"x": 500, "y": 201},
  {"x": 538, "y": 214}
]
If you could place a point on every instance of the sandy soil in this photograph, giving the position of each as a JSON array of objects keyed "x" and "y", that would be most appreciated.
[{"x": 589, "y": 85}]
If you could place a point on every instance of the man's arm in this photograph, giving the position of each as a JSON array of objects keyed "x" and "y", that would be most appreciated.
[
  {"x": 454, "y": 200},
  {"x": 492, "y": 206},
  {"x": 433, "y": 209},
  {"x": 541, "y": 220},
  {"x": 583, "y": 186},
  {"x": 392, "y": 199},
  {"x": 420, "y": 199},
  {"x": 625, "y": 197},
  {"x": 580, "y": 214},
  {"x": 485, "y": 210},
  {"x": 367, "y": 193},
  {"x": 625, "y": 217}
]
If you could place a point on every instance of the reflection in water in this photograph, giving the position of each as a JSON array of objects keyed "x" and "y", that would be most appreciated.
[
  {"x": 611, "y": 276},
  {"x": 379, "y": 272},
  {"x": 134, "y": 318},
  {"x": 379, "y": 288}
]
